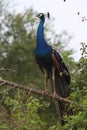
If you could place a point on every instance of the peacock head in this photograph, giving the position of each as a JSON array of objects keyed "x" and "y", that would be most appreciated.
[{"x": 42, "y": 16}]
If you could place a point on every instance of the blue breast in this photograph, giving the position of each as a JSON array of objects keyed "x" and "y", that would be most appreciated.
[{"x": 42, "y": 48}]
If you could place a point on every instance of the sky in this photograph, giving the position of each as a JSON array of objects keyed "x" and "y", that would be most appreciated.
[{"x": 65, "y": 15}]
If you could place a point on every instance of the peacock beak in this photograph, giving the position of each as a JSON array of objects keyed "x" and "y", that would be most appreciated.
[{"x": 37, "y": 15}]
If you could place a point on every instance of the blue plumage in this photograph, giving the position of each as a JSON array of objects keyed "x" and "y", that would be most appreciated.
[
  {"x": 43, "y": 52},
  {"x": 42, "y": 48},
  {"x": 51, "y": 63}
]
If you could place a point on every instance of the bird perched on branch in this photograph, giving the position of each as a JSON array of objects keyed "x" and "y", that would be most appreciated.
[{"x": 51, "y": 64}]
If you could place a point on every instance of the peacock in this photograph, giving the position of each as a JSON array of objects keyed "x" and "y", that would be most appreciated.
[{"x": 51, "y": 63}]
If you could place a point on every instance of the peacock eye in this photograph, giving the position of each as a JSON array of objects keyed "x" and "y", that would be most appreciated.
[{"x": 40, "y": 15}]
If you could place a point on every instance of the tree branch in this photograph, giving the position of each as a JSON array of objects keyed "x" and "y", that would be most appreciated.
[
  {"x": 7, "y": 70},
  {"x": 34, "y": 91}
]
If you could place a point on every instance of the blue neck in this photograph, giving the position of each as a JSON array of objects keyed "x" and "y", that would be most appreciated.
[
  {"x": 40, "y": 33},
  {"x": 42, "y": 48}
]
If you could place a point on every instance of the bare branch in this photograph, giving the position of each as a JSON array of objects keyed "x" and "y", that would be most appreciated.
[
  {"x": 34, "y": 91},
  {"x": 7, "y": 70}
]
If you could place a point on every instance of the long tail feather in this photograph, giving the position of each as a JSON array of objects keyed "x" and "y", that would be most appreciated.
[
  {"x": 62, "y": 89},
  {"x": 62, "y": 82}
]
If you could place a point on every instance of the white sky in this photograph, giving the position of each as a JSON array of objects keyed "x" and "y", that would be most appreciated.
[{"x": 65, "y": 14}]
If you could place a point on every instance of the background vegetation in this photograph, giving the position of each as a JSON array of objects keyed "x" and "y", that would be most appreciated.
[{"x": 20, "y": 110}]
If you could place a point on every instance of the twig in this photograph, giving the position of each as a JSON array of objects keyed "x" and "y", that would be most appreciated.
[
  {"x": 2, "y": 84},
  {"x": 7, "y": 70},
  {"x": 34, "y": 91}
]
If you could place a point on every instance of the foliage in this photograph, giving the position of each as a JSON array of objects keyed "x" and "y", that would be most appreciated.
[
  {"x": 79, "y": 95},
  {"x": 25, "y": 111},
  {"x": 17, "y": 48}
]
